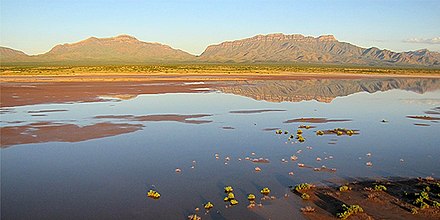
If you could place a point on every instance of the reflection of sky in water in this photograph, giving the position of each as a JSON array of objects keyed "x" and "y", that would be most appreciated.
[{"x": 108, "y": 177}]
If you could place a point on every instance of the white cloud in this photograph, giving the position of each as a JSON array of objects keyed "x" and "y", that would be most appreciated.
[{"x": 435, "y": 40}]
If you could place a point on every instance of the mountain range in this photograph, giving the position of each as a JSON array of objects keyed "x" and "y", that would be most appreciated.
[{"x": 271, "y": 48}]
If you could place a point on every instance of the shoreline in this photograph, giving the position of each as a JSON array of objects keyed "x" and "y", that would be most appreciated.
[{"x": 217, "y": 76}]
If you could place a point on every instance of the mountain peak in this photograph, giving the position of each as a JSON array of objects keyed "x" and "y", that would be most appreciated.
[
  {"x": 327, "y": 38},
  {"x": 121, "y": 38},
  {"x": 125, "y": 37},
  {"x": 121, "y": 48}
]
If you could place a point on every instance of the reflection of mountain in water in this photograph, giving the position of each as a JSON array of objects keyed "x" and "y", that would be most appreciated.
[{"x": 325, "y": 90}]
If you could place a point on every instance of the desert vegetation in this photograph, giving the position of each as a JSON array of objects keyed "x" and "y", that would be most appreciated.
[{"x": 211, "y": 69}]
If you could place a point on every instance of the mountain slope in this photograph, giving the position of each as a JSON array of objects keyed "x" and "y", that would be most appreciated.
[
  {"x": 277, "y": 48},
  {"x": 323, "y": 49},
  {"x": 11, "y": 55},
  {"x": 122, "y": 48}
]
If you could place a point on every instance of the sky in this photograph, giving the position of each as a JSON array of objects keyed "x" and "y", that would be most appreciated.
[{"x": 35, "y": 26}]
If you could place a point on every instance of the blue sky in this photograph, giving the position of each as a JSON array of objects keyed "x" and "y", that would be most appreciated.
[{"x": 35, "y": 26}]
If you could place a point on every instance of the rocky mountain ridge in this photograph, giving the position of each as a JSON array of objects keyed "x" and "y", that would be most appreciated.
[{"x": 270, "y": 48}]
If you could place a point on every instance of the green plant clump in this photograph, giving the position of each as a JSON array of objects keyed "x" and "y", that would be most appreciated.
[
  {"x": 414, "y": 211},
  {"x": 305, "y": 196},
  {"x": 424, "y": 205},
  {"x": 344, "y": 188},
  {"x": 347, "y": 211},
  {"x": 319, "y": 132},
  {"x": 421, "y": 201},
  {"x": 303, "y": 186},
  {"x": 380, "y": 188}
]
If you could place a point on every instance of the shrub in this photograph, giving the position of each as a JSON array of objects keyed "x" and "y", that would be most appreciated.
[
  {"x": 344, "y": 188},
  {"x": 347, "y": 211},
  {"x": 303, "y": 186},
  {"x": 305, "y": 196},
  {"x": 308, "y": 209},
  {"x": 380, "y": 188}
]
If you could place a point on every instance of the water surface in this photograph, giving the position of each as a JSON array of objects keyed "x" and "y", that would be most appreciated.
[{"x": 106, "y": 173}]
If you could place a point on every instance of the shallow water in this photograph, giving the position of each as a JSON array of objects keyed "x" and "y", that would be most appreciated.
[{"x": 108, "y": 177}]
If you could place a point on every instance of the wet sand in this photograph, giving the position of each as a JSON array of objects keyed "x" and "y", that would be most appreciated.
[
  {"x": 432, "y": 112},
  {"x": 47, "y": 111},
  {"x": 423, "y": 117},
  {"x": 397, "y": 202},
  {"x": 421, "y": 124},
  {"x": 342, "y": 132},
  {"x": 41, "y": 132},
  {"x": 316, "y": 120},
  {"x": 167, "y": 117},
  {"x": 270, "y": 129},
  {"x": 19, "y": 94},
  {"x": 256, "y": 111}
]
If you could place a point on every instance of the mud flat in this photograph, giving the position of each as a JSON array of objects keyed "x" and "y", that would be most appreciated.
[
  {"x": 190, "y": 119},
  {"x": 390, "y": 198},
  {"x": 41, "y": 132},
  {"x": 14, "y": 94},
  {"x": 256, "y": 111},
  {"x": 426, "y": 118},
  {"x": 316, "y": 120}
]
